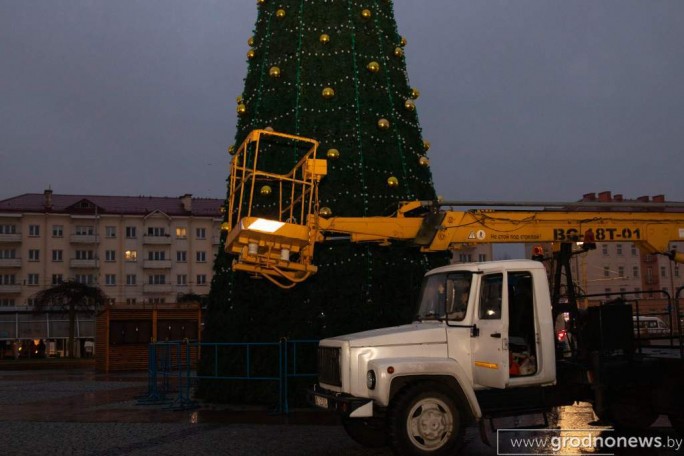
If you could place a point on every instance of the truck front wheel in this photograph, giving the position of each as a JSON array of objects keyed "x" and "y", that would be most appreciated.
[{"x": 425, "y": 419}]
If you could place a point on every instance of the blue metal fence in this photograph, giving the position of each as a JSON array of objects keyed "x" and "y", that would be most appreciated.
[{"x": 174, "y": 362}]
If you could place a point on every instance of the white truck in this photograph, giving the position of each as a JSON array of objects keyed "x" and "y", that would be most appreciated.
[{"x": 483, "y": 344}]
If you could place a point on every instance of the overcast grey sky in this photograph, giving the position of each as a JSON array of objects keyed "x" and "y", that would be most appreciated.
[{"x": 521, "y": 99}]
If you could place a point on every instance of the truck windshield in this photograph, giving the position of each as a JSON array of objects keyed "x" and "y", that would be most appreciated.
[{"x": 445, "y": 296}]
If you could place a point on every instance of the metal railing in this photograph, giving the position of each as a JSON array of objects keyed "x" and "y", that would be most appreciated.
[{"x": 172, "y": 369}]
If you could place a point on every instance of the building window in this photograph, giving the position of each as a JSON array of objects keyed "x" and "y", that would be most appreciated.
[
  {"x": 635, "y": 271},
  {"x": 57, "y": 255},
  {"x": 201, "y": 279},
  {"x": 621, "y": 272},
  {"x": 131, "y": 279},
  {"x": 482, "y": 257},
  {"x": 130, "y": 232},
  {"x": 181, "y": 256},
  {"x": 110, "y": 231},
  {"x": 619, "y": 249},
  {"x": 604, "y": 249},
  {"x": 34, "y": 230},
  {"x": 34, "y": 255},
  {"x": 130, "y": 255},
  {"x": 33, "y": 279},
  {"x": 157, "y": 279},
  {"x": 110, "y": 279},
  {"x": 85, "y": 255},
  {"x": 156, "y": 255},
  {"x": 156, "y": 231},
  {"x": 8, "y": 279},
  {"x": 606, "y": 271},
  {"x": 157, "y": 300},
  {"x": 201, "y": 233},
  {"x": 6, "y": 302},
  {"x": 634, "y": 250},
  {"x": 465, "y": 257},
  {"x": 57, "y": 231},
  {"x": 201, "y": 257},
  {"x": 181, "y": 232},
  {"x": 57, "y": 279},
  {"x": 181, "y": 279},
  {"x": 85, "y": 230},
  {"x": 663, "y": 271},
  {"x": 8, "y": 254},
  {"x": 676, "y": 270},
  {"x": 8, "y": 229},
  {"x": 130, "y": 301},
  {"x": 110, "y": 255},
  {"x": 87, "y": 279}
]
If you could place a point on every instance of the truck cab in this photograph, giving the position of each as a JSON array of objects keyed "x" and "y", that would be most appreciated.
[{"x": 478, "y": 327}]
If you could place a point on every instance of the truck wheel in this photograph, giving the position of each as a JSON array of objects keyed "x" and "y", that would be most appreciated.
[
  {"x": 425, "y": 419},
  {"x": 369, "y": 432}
]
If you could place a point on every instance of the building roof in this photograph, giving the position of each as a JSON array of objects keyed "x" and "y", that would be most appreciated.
[{"x": 106, "y": 204}]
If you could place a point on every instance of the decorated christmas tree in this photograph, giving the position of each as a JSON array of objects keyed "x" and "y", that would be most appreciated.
[{"x": 334, "y": 71}]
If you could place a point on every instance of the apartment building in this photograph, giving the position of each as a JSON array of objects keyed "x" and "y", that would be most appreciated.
[{"x": 139, "y": 250}]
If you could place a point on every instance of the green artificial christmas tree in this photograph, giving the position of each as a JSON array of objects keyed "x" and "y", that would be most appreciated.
[{"x": 334, "y": 71}]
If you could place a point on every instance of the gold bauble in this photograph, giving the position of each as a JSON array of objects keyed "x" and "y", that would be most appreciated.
[
  {"x": 250, "y": 41},
  {"x": 251, "y": 54},
  {"x": 231, "y": 149},
  {"x": 383, "y": 124},
  {"x": 392, "y": 182},
  {"x": 426, "y": 145},
  {"x": 222, "y": 210},
  {"x": 410, "y": 105},
  {"x": 373, "y": 67},
  {"x": 415, "y": 93},
  {"x": 333, "y": 154},
  {"x": 261, "y": 2},
  {"x": 325, "y": 212},
  {"x": 266, "y": 190},
  {"x": 225, "y": 226},
  {"x": 241, "y": 109},
  {"x": 324, "y": 38},
  {"x": 424, "y": 161},
  {"x": 274, "y": 72},
  {"x": 398, "y": 52},
  {"x": 328, "y": 93},
  {"x": 366, "y": 14},
  {"x": 269, "y": 128},
  {"x": 403, "y": 41},
  {"x": 280, "y": 14},
  {"x": 238, "y": 99}
]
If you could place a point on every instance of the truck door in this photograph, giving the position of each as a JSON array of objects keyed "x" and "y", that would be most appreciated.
[{"x": 490, "y": 346}]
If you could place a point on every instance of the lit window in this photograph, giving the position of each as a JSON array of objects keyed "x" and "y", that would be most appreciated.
[
  {"x": 181, "y": 233},
  {"x": 130, "y": 255}
]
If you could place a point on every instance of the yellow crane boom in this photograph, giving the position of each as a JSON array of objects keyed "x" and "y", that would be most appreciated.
[{"x": 280, "y": 246}]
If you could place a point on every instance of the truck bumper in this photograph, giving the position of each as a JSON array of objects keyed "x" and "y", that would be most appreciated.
[{"x": 344, "y": 404}]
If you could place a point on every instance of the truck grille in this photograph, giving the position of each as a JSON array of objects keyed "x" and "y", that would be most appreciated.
[{"x": 329, "y": 366}]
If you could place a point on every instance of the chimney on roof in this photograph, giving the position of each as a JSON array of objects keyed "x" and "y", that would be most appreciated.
[
  {"x": 47, "y": 200},
  {"x": 589, "y": 197},
  {"x": 605, "y": 197},
  {"x": 187, "y": 202},
  {"x": 659, "y": 199}
]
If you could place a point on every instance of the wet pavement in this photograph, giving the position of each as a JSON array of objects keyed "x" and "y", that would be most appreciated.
[{"x": 79, "y": 412}]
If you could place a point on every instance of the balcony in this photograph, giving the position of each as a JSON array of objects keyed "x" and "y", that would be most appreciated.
[
  {"x": 157, "y": 288},
  {"x": 84, "y": 239},
  {"x": 157, "y": 264},
  {"x": 10, "y": 262},
  {"x": 10, "y": 289},
  {"x": 14, "y": 238},
  {"x": 83, "y": 264},
  {"x": 157, "y": 240}
]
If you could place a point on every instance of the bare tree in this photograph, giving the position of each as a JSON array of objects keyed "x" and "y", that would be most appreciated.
[{"x": 70, "y": 297}]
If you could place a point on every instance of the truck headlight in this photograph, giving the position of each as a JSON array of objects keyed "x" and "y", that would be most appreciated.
[{"x": 370, "y": 379}]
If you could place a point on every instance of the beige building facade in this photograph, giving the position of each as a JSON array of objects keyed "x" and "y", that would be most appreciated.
[{"x": 139, "y": 250}]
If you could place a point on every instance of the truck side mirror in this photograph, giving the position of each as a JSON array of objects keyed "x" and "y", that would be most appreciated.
[{"x": 474, "y": 331}]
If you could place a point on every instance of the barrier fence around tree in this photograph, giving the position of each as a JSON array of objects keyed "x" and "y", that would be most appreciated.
[{"x": 172, "y": 368}]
